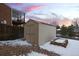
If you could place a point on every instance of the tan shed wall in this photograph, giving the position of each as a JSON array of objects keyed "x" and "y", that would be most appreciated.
[
  {"x": 31, "y": 32},
  {"x": 46, "y": 33}
]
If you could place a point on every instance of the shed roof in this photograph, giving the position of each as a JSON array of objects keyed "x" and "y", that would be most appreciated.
[{"x": 41, "y": 22}]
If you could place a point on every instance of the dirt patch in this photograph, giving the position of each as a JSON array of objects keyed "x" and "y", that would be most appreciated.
[
  {"x": 23, "y": 50},
  {"x": 11, "y": 51},
  {"x": 44, "y": 51}
]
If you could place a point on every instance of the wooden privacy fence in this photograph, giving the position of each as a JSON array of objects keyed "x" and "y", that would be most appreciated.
[{"x": 10, "y": 32}]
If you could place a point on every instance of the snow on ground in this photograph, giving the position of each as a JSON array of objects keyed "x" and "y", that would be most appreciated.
[
  {"x": 72, "y": 48},
  {"x": 36, "y": 54},
  {"x": 14, "y": 42}
]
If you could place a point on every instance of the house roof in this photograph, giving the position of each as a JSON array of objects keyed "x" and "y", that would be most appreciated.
[
  {"x": 41, "y": 22},
  {"x": 13, "y": 8},
  {"x": 76, "y": 29}
]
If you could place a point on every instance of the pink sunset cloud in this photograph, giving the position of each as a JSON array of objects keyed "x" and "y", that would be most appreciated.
[
  {"x": 65, "y": 21},
  {"x": 31, "y": 8}
]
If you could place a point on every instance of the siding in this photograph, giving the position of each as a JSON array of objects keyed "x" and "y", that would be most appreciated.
[
  {"x": 31, "y": 32},
  {"x": 5, "y": 13},
  {"x": 46, "y": 33}
]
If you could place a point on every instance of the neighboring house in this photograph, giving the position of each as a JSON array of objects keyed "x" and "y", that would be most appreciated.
[
  {"x": 10, "y": 16},
  {"x": 76, "y": 29},
  {"x": 38, "y": 33}
]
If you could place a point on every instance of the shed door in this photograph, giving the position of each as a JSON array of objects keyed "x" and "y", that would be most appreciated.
[
  {"x": 33, "y": 35},
  {"x": 28, "y": 36}
]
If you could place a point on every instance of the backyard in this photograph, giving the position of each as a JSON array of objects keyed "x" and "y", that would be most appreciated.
[
  {"x": 72, "y": 48},
  {"x": 21, "y": 47}
]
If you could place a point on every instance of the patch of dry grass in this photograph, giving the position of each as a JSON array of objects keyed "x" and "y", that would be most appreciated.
[
  {"x": 13, "y": 51},
  {"x": 6, "y": 50}
]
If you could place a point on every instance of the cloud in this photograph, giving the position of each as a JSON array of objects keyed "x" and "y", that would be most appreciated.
[
  {"x": 65, "y": 21},
  {"x": 31, "y": 8}
]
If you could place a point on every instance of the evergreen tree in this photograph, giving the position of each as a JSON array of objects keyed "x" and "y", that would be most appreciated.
[
  {"x": 57, "y": 27},
  {"x": 70, "y": 31},
  {"x": 63, "y": 30}
]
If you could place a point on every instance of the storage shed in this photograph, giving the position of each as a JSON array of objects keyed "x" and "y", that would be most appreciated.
[{"x": 37, "y": 33}]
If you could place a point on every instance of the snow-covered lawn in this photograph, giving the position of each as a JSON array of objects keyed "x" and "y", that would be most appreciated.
[
  {"x": 72, "y": 48},
  {"x": 14, "y": 42},
  {"x": 36, "y": 54}
]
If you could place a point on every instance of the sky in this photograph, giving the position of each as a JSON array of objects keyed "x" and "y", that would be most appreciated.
[
  {"x": 47, "y": 10},
  {"x": 70, "y": 10}
]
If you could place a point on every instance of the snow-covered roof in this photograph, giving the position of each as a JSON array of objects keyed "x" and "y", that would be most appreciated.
[
  {"x": 41, "y": 22},
  {"x": 13, "y": 8},
  {"x": 58, "y": 29},
  {"x": 76, "y": 29},
  {"x": 60, "y": 41}
]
